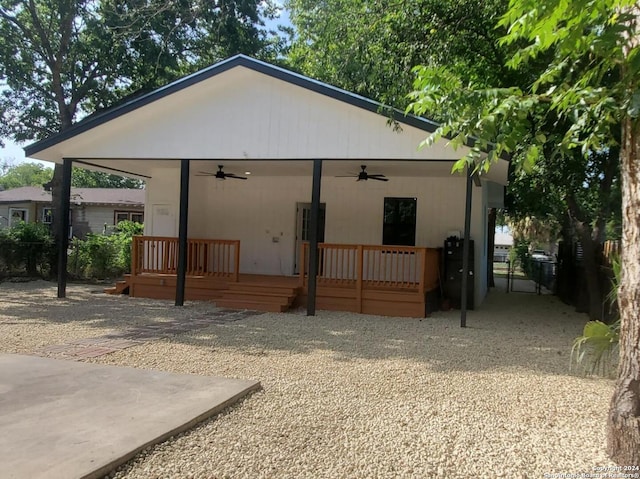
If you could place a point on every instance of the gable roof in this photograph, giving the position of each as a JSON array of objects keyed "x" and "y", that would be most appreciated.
[
  {"x": 223, "y": 66},
  {"x": 84, "y": 196},
  {"x": 244, "y": 110}
]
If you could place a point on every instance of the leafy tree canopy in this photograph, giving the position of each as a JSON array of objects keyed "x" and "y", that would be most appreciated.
[
  {"x": 36, "y": 174},
  {"x": 63, "y": 59},
  {"x": 370, "y": 47},
  {"x": 24, "y": 174},
  {"x": 81, "y": 178}
]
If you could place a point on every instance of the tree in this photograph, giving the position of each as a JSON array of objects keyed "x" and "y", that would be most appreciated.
[
  {"x": 25, "y": 174},
  {"x": 370, "y": 47},
  {"x": 62, "y": 59},
  {"x": 590, "y": 88},
  {"x": 36, "y": 174},
  {"x": 81, "y": 178}
]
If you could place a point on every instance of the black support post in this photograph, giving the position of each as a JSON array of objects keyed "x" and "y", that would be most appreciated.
[
  {"x": 313, "y": 238},
  {"x": 182, "y": 232},
  {"x": 63, "y": 226},
  {"x": 465, "y": 247}
]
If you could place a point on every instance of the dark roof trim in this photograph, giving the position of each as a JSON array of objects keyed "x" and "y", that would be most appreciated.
[
  {"x": 108, "y": 168},
  {"x": 223, "y": 66},
  {"x": 224, "y": 158}
]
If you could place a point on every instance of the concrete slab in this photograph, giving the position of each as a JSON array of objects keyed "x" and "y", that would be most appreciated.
[{"x": 65, "y": 419}]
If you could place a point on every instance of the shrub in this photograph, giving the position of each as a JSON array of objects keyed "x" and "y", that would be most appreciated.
[
  {"x": 104, "y": 256},
  {"x": 596, "y": 348},
  {"x": 28, "y": 245},
  {"x": 8, "y": 258}
]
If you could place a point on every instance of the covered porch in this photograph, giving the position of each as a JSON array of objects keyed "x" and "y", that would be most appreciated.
[
  {"x": 386, "y": 280},
  {"x": 301, "y": 148}
]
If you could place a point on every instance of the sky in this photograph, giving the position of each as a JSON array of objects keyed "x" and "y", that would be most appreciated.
[{"x": 13, "y": 153}]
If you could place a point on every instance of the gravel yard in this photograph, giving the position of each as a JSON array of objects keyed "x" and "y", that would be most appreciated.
[{"x": 352, "y": 396}]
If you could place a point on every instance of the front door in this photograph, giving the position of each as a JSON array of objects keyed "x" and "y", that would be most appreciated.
[{"x": 303, "y": 217}]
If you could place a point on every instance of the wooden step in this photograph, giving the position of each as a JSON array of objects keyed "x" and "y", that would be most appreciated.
[
  {"x": 263, "y": 288},
  {"x": 258, "y": 296},
  {"x": 261, "y": 295},
  {"x": 274, "y": 307},
  {"x": 121, "y": 287}
]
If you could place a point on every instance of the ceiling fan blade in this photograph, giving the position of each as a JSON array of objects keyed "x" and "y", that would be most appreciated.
[
  {"x": 346, "y": 176},
  {"x": 378, "y": 178},
  {"x": 235, "y": 177}
]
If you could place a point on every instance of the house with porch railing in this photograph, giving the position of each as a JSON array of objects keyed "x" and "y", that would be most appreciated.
[{"x": 268, "y": 190}]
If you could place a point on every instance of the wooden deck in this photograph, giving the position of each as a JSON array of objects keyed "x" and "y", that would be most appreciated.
[{"x": 389, "y": 280}]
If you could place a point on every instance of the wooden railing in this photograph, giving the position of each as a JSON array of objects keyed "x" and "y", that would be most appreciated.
[
  {"x": 205, "y": 257},
  {"x": 371, "y": 267}
]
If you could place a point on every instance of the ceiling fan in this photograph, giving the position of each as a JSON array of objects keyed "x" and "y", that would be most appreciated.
[
  {"x": 221, "y": 175},
  {"x": 363, "y": 175}
]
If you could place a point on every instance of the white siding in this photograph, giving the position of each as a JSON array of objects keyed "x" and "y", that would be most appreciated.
[{"x": 263, "y": 208}]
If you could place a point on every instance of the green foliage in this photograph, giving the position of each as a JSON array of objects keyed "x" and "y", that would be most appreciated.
[
  {"x": 616, "y": 269},
  {"x": 24, "y": 174},
  {"x": 60, "y": 60},
  {"x": 27, "y": 247},
  {"x": 519, "y": 255},
  {"x": 594, "y": 349},
  {"x": 82, "y": 178},
  {"x": 104, "y": 256},
  {"x": 370, "y": 47},
  {"x": 35, "y": 174},
  {"x": 580, "y": 97}
]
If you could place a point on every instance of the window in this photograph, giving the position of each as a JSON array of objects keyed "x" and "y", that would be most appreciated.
[
  {"x": 47, "y": 215},
  {"x": 16, "y": 215},
  {"x": 399, "y": 226},
  {"x": 135, "y": 216}
]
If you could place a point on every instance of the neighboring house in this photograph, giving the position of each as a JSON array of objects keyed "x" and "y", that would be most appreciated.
[
  {"x": 91, "y": 208},
  {"x": 503, "y": 243},
  {"x": 290, "y": 136}
]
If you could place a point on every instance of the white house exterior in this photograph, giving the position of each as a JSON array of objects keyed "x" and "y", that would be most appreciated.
[{"x": 269, "y": 124}]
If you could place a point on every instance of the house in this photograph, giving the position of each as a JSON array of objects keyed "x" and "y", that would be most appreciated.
[
  {"x": 503, "y": 242},
  {"x": 91, "y": 208},
  {"x": 249, "y": 166}
]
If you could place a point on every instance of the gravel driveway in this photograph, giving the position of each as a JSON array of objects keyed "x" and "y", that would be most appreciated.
[{"x": 352, "y": 396}]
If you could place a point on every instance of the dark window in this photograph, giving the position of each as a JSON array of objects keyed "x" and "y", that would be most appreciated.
[
  {"x": 128, "y": 216},
  {"x": 399, "y": 226}
]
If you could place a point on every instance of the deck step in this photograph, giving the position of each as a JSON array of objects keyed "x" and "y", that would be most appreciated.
[
  {"x": 121, "y": 287},
  {"x": 262, "y": 288},
  {"x": 258, "y": 296}
]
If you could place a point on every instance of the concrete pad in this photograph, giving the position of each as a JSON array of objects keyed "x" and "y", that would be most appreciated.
[{"x": 65, "y": 419}]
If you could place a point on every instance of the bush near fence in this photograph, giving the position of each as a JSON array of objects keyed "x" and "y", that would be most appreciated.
[{"x": 28, "y": 249}]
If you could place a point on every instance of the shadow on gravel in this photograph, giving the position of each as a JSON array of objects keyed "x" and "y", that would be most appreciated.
[{"x": 509, "y": 332}]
